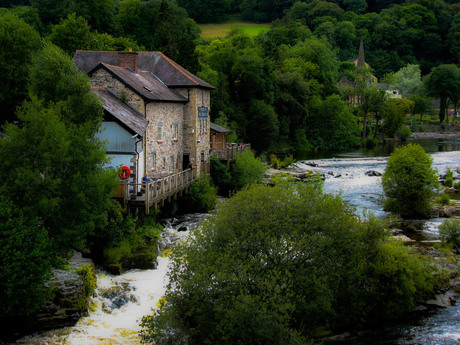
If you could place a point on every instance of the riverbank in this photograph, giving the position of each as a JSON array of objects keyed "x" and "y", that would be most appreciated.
[{"x": 435, "y": 132}]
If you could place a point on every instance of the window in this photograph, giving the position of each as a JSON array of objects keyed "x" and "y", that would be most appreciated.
[
  {"x": 176, "y": 131},
  {"x": 154, "y": 160},
  {"x": 160, "y": 132},
  {"x": 164, "y": 162},
  {"x": 171, "y": 166},
  {"x": 202, "y": 117}
]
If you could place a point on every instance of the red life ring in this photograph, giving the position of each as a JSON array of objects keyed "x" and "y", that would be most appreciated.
[{"x": 125, "y": 172}]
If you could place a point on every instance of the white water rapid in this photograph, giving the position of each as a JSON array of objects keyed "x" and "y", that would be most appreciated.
[{"x": 121, "y": 301}]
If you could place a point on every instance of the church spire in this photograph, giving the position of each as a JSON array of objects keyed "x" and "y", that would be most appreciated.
[{"x": 361, "y": 62}]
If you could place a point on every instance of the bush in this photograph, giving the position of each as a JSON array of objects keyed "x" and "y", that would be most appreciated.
[
  {"x": 450, "y": 231},
  {"x": 201, "y": 197},
  {"x": 405, "y": 133},
  {"x": 89, "y": 278},
  {"x": 449, "y": 179},
  {"x": 247, "y": 170},
  {"x": 276, "y": 265},
  {"x": 409, "y": 183},
  {"x": 220, "y": 175},
  {"x": 26, "y": 258},
  {"x": 444, "y": 199}
]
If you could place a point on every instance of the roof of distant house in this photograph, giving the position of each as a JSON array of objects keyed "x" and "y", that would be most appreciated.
[
  {"x": 144, "y": 83},
  {"x": 124, "y": 114},
  {"x": 219, "y": 129},
  {"x": 167, "y": 70}
]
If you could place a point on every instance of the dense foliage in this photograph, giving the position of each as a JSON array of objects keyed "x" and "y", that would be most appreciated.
[
  {"x": 409, "y": 182},
  {"x": 274, "y": 91},
  {"x": 201, "y": 196},
  {"x": 279, "y": 265},
  {"x": 450, "y": 232},
  {"x": 56, "y": 191}
]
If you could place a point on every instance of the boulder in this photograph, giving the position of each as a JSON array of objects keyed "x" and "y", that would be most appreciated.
[{"x": 372, "y": 173}]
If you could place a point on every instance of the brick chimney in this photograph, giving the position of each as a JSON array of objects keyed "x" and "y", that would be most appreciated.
[{"x": 128, "y": 59}]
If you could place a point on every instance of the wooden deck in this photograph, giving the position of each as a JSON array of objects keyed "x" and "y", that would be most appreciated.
[
  {"x": 229, "y": 153},
  {"x": 153, "y": 194}
]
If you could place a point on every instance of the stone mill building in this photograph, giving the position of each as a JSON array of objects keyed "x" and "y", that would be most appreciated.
[{"x": 156, "y": 112}]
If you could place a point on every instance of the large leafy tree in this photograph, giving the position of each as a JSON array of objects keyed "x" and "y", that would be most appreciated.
[
  {"x": 206, "y": 11},
  {"x": 409, "y": 182},
  {"x": 408, "y": 81},
  {"x": 20, "y": 43},
  {"x": 278, "y": 264},
  {"x": 160, "y": 25},
  {"x": 51, "y": 163},
  {"x": 444, "y": 83},
  {"x": 25, "y": 260}
]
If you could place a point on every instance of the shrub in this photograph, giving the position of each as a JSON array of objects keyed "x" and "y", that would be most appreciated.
[
  {"x": 247, "y": 170},
  {"x": 370, "y": 143},
  {"x": 275, "y": 265},
  {"x": 405, "y": 133},
  {"x": 89, "y": 278},
  {"x": 449, "y": 179},
  {"x": 444, "y": 199},
  {"x": 220, "y": 175},
  {"x": 409, "y": 182},
  {"x": 450, "y": 231},
  {"x": 202, "y": 195},
  {"x": 287, "y": 161}
]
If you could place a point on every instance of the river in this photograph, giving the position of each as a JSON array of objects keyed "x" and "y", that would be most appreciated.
[{"x": 115, "y": 317}]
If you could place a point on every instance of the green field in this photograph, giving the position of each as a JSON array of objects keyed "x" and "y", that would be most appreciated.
[{"x": 222, "y": 29}]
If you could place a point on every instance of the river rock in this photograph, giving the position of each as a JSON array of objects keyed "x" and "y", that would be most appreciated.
[
  {"x": 444, "y": 300},
  {"x": 372, "y": 173}
]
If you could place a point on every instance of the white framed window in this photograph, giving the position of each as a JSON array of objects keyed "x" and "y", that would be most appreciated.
[
  {"x": 154, "y": 160},
  {"x": 175, "y": 131},
  {"x": 160, "y": 132}
]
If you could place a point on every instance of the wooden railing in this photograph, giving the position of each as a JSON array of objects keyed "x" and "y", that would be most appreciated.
[
  {"x": 231, "y": 151},
  {"x": 152, "y": 193}
]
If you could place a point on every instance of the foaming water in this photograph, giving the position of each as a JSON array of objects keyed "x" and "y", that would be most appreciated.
[
  {"x": 138, "y": 292},
  {"x": 120, "y": 302}
]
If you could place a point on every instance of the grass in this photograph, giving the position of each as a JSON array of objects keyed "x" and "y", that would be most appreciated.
[{"x": 223, "y": 29}]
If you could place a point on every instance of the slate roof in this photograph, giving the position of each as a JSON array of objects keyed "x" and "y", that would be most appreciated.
[
  {"x": 167, "y": 70},
  {"x": 143, "y": 83},
  {"x": 219, "y": 129},
  {"x": 125, "y": 115}
]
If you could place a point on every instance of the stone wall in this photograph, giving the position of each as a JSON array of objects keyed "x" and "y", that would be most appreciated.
[
  {"x": 102, "y": 78},
  {"x": 196, "y": 141},
  {"x": 168, "y": 117}
]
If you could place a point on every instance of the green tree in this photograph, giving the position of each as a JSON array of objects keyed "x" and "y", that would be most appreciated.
[
  {"x": 220, "y": 175},
  {"x": 409, "y": 182},
  {"x": 52, "y": 11},
  {"x": 247, "y": 170},
  {"x": 408, "y": 81},
  {"x": 71, "y": 34},
  {"x": 394, "y": 114},
  {"x": 279, "y": 265},
  {"x": 450, "y": 232},
  {"x": 25, "y": 260},
  {"x": 422, "y": 105},
  {"x": 160, "y": 25},
  {"x": 444, "y": 83},
  {"x": 52, "y": 163},
  {"x": 206, "y": 11},
  {"x": 202, "y": 195},
  {"x": 332, "y": 125},
  {"x": 263, "y": 126},
  {"x": 21, "y": 42}
]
